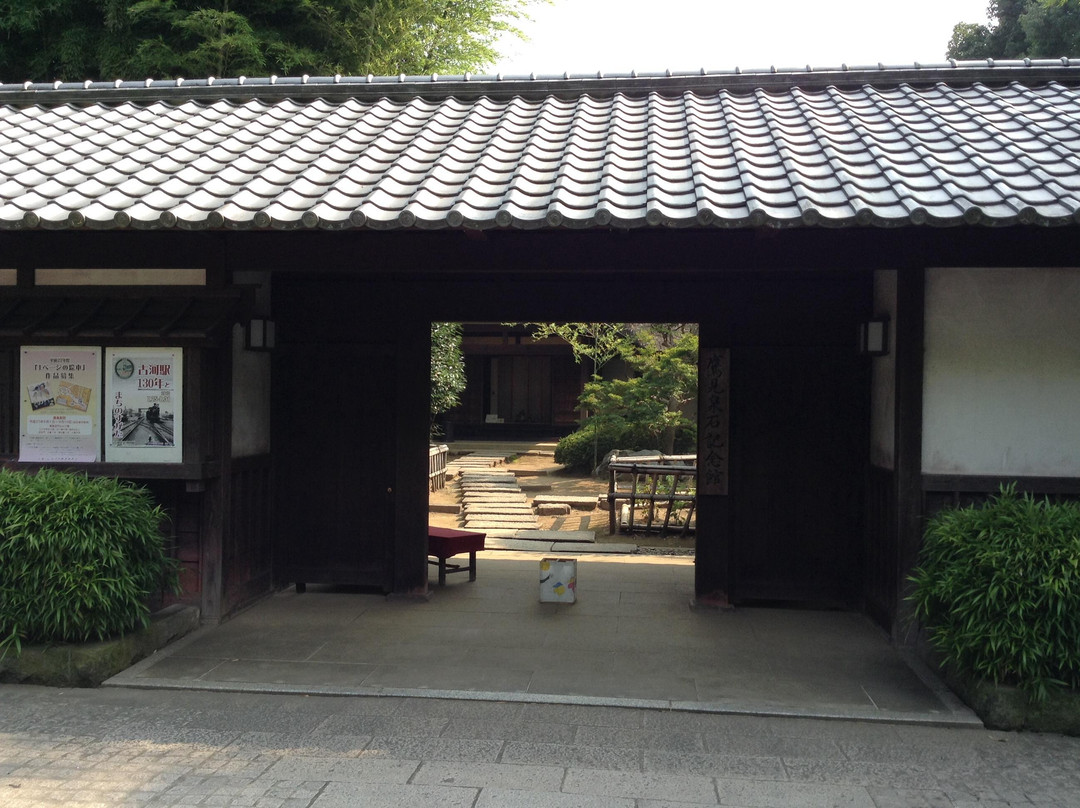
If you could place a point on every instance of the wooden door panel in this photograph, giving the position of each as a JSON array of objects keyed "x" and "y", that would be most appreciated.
[
  {"x": 799, "y": 444},
  {"x": 334, "y": 464}
]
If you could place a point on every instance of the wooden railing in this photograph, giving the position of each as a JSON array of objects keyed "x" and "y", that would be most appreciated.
[{"x": 665, "y": 483}]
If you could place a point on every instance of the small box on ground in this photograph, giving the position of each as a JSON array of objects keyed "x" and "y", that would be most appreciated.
[{"x": 558, "y": 580}]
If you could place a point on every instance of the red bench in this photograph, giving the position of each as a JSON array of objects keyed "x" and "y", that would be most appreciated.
[{"x": 444, "y": 543}]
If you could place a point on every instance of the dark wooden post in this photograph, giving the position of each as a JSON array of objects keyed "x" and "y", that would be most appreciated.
[
  {"x": 413, "y": 409},
  {"x": 713, "y": 566},
  {"x": 910, "y": 315}
]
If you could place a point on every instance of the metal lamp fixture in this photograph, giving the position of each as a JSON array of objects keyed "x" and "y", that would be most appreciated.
[
  {"x": 874, "y": 337},
  {"x": 260, "y": 335}
]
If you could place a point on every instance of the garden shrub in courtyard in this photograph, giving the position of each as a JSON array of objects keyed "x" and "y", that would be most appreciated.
[
  {"x": 79, "y": 557},
  {"x": 998, "y": 589}
]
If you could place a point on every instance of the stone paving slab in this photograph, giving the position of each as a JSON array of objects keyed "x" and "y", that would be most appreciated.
[
  {"x": 500, "y": 534},
  {"x": 575, "y": 502},
  {"x": 607, "y": 549},
  {"x": 560, "y": 535},
  {"x": 529, "y": 485},
  {"x": 500, "y": 519},
  {"x": 521, "y": 545},
  {"x": 496, "y": 509},
  {"x": 172, "y": 747}
]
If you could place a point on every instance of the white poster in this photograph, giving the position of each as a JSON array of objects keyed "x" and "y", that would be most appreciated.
[
  {"x": 60, "y": 420},
  {"x": 144, "y": 405}
]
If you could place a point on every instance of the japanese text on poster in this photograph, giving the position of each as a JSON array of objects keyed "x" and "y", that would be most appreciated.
[
  {"x": 60, "y": 415},
  {"x": 144, "y": 405}
]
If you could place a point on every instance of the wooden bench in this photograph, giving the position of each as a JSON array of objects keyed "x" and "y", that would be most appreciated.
[{"x": 444, "y": 543}]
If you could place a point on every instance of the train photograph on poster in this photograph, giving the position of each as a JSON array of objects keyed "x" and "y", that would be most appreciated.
[{"x": 144, "y": 401}]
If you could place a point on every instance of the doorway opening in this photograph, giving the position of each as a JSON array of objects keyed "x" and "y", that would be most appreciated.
[{"x": 589, "y": 429}]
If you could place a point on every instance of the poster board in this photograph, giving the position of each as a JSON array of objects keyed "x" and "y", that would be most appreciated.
[
  {"x": 144, "y": 405},
  {"x": 60, "y": 414}
]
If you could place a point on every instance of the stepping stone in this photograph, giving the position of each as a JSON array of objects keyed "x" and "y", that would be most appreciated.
[
  {"x": 441, "y": 508},
  {"x": 499, "y": 520},
  {"x": 577, "y": 503},
  {"x": 552, "y": 509},
  {"x": 486, "y": 510},
  {"x": 531, "y": 486},
  {"x": 570, "y": 536}
]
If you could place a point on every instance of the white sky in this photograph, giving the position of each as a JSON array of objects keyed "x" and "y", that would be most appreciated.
[{"x": 654, "y": 35}]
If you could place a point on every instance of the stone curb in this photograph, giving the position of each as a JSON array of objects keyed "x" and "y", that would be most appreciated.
[{"x": 90, "y": 664}]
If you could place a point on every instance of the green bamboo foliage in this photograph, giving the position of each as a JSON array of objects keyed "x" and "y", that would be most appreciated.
[
  {"x": 998, "y": 589},
  {"x": 79, "y": 557}
]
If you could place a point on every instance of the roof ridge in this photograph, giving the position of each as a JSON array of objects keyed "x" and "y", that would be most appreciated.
[{"x": 763, "y": 77}]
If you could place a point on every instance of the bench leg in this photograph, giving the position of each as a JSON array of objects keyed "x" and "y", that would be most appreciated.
[
  {"x": 442, "y": 572},
  {"x": 472, "y": 565}
]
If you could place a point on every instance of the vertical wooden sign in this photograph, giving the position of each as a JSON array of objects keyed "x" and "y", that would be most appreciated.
[{"x": 715, "y": 391}]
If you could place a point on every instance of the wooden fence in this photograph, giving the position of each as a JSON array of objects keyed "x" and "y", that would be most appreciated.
[
  {"x": 437, "y": 467},
  {"x": 666, "y": 483}
]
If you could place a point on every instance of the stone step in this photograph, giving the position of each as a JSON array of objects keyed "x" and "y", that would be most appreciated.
[
  {"x": 485, "y": 526},
  {"x": 502, "y": 520},
  {"x": 516, "y": 510},
  {"x": 443, "y": 508},
  {"x": 533, "y": 486},
  {"x": 578, "y": 503}
]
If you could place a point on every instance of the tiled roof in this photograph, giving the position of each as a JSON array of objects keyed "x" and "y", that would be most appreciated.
[{"x": 986, "y": 144}]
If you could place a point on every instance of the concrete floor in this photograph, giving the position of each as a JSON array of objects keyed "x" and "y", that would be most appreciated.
[{"x": 631, "y": 639}]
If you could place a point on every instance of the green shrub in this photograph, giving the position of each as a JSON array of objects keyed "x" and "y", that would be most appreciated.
[
  {"x": 998, "y": 589},
  {"x": 575, "y": 451},
  {"x": 78, "y": 557}
]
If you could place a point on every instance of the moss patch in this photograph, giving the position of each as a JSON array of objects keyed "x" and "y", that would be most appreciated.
[{"x": 1009, "y": 708}]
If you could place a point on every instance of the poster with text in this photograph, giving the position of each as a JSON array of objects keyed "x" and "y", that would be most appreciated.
[
  {"x": 144, "y": 405},
  {"x": 60, "y": 415}
]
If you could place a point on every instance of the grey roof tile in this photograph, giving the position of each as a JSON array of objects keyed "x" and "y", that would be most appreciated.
[{"x": 944, "y": 152}]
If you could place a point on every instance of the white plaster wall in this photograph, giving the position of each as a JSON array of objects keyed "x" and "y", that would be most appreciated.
[
  {"x": 883, "y": 377},
  {"x": 1002, "y": 372},
  {"x": 251, "y": 379}
]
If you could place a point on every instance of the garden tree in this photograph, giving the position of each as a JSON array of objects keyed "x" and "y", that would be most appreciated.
[
  {"x": 1020, "y": 28},
  {"x": 647, "y": 409},
  {"x": 72, "y": 40},
  {"x": 447, "y": 370},
  {"x": 597, "y": 342},
  {"x": 644, "y": 411}
]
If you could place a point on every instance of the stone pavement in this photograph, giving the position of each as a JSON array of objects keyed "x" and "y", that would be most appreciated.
[
  {"x": 631, "y": 639},
  {"x": 126, "y": 747}
]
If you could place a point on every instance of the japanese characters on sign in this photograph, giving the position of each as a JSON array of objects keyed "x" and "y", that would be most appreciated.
[
  {"x": 60, "y": 419},
  {"x": 64, "y": 417},
  {"x": 143, "y": 391},
  {"x": 715, "y": 388}
]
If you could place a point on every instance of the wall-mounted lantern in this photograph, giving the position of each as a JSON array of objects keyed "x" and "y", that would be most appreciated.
[
  {"x": 874, "y": 337},
  {"x": 260, "y": 335}
]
